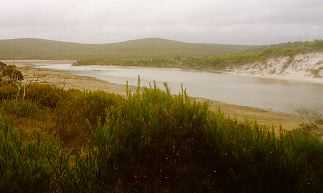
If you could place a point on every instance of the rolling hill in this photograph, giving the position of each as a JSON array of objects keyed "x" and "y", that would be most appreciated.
[
  {"x": 154, "y": 52},
  {"x": 153, "y": 47}
]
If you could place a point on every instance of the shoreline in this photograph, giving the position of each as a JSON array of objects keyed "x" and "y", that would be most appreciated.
[
  {"x": 291, "y": 78},
  {"x": 70, "y": 81},
  {"x": 287, "y": 77}
]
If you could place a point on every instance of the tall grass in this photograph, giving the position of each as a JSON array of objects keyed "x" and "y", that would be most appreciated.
[
  {"x": 30, "y": 167},
  {"x": 151, "y": 141}
]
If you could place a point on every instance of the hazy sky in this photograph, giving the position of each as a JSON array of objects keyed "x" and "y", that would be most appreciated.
[{"x": 221, "y": 21}]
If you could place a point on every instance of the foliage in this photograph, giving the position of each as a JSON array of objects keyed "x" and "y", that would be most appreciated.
[
  {"x": 43, "y": 94},
  {"x": 153, "y": 47},
  {"x": 80, "y": 113},
  {"x": 154, "y": 52},
  {"x": 214, "y": 62},
  {"x": 25, "y": 109},
  {"x": 8, "y": 91},
  {"x": 151, "y": 141},
  {"x": 10, "y": 73},
  {"x": 29, "y": 167}
]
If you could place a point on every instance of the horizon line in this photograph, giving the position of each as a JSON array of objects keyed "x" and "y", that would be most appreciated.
[{"x": 158, "y": 38}]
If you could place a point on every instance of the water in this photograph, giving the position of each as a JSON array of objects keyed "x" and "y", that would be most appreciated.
[{"x": 268, "y": 94}]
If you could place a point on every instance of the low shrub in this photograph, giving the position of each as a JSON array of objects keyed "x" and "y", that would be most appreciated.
[
  {"x": 151, "y": 141},
  {"x": 156, "y": 142},
  {"x": 80, "y": 113},
  {"x": 21, "y": 108},
  {"x": 8, "y": 91},
  {"x": 29, "y": 167},
  {"x": 45, "y": 95}
]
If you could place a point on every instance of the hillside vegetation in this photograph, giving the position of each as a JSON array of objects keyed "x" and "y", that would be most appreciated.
[
  {"x": 153, "y": 52},
  {"x": 47, "y": 49},
  {"x": 55, "y": 141}
]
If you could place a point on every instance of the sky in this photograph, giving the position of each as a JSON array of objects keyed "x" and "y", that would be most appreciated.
[{"x": 208, "y": 21}]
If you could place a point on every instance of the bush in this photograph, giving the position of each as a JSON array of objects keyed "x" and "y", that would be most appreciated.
[
  {"x": 160, "y": 143},
  {"x": 8, "y": 91},
  {"x": 45, "y": 95},
  {"x": 12, "y": 73},
  {"x": 21, "y": 108},
  {"x": 29, "y": 167},
  {"x": 151, "y": 141},
  {"x": 79, "y": 114}
]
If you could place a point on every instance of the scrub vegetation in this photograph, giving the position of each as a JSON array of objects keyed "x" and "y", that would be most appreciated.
[
  {"x": 154, "y": 52},
  {"x": 216, "y": 62},
  {"x": 133, "y": 49},
  {"x": 55, "y": 140}
]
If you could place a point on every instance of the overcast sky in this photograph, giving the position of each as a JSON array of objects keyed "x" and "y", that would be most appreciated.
[{"x": 216, "y": 21}]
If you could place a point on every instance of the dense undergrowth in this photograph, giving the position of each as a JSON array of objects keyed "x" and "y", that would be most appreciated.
[
  {"x": 218, "y": 62},
  {"x": 147, "y": 141}
]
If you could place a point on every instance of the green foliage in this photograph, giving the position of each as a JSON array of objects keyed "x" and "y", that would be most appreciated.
[
  {"x": 80, "y": 113},
  {"x": 45, "y": 95},
  {"x": 21, "y": 108},
  {"x": 8, "y": 91},
  {"x": 151, "y": 141},
  {"x": 153, "y": 52},
  {"x": 156, "y": 142},
  {"x": 29, "y": 167},
  {"x": 46, "y": 49},
  {"x": 217, "y": 62},
  {"x": 10, "y": 73}
]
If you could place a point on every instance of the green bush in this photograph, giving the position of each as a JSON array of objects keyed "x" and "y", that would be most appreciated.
[
  {"x": 80, "y": 113},
  {"x": 21, "y": 108},
  {"x": 8, "y": 91},
  {"x": 44, "y": 94},
  {"x": 29, "y": 167},
  {"x": 217, "y": 62},
  {"x": 156, "y": 142},
  {"x": 151, "y": 141}
]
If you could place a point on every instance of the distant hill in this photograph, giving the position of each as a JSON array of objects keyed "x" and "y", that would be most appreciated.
[
  {"x": 153, "y": 52},
  {"x": 153, "y": 47}
]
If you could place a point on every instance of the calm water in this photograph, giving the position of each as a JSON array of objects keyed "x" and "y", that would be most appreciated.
[{"x": 276, "y": 95}]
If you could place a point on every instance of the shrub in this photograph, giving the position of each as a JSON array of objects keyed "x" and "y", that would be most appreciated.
[
  {"x": 151, "y": 141},
  {"x": 29, "y": 167},
  {"x": 8, "y": 91},
  {"x": 12, "y": 73},
  {"x": 155, "y": 142},
  {"x": 79, "y": 113},
  {"x": 21, "y": 108},
  {"x": 44, "y": 94}
]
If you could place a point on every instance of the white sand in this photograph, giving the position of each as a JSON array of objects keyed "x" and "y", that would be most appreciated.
[{"x": 303, "y": 67}]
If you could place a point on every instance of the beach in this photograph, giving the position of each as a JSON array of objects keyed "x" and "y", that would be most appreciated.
[{"x": 67, "y": 80}]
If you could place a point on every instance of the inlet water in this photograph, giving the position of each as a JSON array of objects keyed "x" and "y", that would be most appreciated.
[{"x": 268, "y": 94}]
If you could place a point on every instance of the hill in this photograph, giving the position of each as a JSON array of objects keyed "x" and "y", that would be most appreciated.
[
  {"x": 154, "y": 52},
  {"x": 153, "y": 47}
]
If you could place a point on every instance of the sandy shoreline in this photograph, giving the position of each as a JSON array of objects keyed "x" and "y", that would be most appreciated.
[
  {"x": 68, "y": 80},
  {"x": 291, "y": 77},
  {"x": 301, "y": 68}
]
